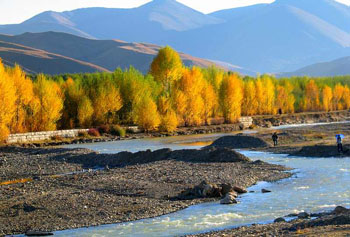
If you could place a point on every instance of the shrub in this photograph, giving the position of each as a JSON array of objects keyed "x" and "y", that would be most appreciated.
[
  {"x": 104, "y": 129},
  {"x": 82, "y": 134},
  {"x": 94, "y": 132},
  {"x": 57, "y": 138},
  {"x": 118, "y": 131}
]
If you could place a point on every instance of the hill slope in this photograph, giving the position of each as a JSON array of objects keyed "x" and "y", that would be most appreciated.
[
  {"x": 39, "y": 61},
  {"x": 277, "y": 37},
  {"x": 94, "y": 55},
  {"x": 338, "y": 67}
]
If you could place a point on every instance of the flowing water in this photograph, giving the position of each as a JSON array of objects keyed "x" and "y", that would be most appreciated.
[{"x": 317, "y": 185}]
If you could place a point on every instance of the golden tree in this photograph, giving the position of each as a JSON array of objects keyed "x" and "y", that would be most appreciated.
[
  {"x": 327, "y": 97},
  {"x": 107, "y": 103},
  {"x": 8, "y": 100},
  {"x": 250, "y": 103},
  {"x": 210, "y": 102},
  {"x": 191, "y": 84},
  {"x": 24, "y": 95},
  {"x": 85, "y": 112},
  {"x": 338, "y": 93},
  {"x": 146, "y": 115},
  {"x": 231, "y": 96},
  {"x": 50, "y": 104},
  {"x": 346, "y": 97},
  {"x": 166, "y": 67},
  {"x": 312, "y": 98}
]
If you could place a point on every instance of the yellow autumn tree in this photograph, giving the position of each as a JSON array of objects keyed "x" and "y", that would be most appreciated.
[
  {"x": 85, "y": 112},
  {"x": 166, "y": 67},
  {"x": 268, "y": 96},
  {"x": 191, "y": 84},
  {"x": 338, "y": 93},
  {"x": 210, "y": 102},
  {"x": 8, "y": 100},
  {"x": 50, "y": 104},
  {"x": 24, "y": 95},
  {"x": 168, "y": 121},
  {"x": 231, "y": 96},
  {"x": 327, "y": 97},
  {"x": 312, "y": 97},
  {"x": 346, "y": 97},
  {"x": 285, "y": 99},
  {"x": 249, "y": 103},
  {"x": 146, "y": 115},
  {"x": 107, "y": 103},
  {"x": 259, "y": 96},
  {"x": 179, "y": 104}
]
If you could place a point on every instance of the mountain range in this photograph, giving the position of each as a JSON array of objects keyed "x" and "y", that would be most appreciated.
[
  {"x": 338, "y": 67},
  {"x": 55, "y": 53},
  {"x": 282, "y": 36}
]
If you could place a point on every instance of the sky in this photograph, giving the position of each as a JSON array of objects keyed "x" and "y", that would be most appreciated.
[{"x": 17, "y": 11}]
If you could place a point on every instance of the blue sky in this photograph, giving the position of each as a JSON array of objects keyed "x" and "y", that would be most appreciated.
[{"x": 16, "y": 11}]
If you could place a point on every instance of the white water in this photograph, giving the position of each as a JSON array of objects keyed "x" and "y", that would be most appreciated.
[{"x": 318, "y": 185}]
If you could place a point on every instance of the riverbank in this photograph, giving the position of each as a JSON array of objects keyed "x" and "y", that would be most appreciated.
[
  {"x": 308, "y": 141},
  {"x": 266, "y": 121},
  {"x": 130, "y": 187}
]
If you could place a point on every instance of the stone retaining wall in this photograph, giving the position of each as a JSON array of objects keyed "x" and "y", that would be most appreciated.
[
  {"x": 42, "y": 136},
  {"x": 246, "y": 121}
]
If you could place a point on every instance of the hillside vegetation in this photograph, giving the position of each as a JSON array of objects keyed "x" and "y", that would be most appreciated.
[{"x": 170, "y": 95}]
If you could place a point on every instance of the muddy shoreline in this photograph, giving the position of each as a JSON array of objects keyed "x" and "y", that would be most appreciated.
[
  {"x": 124, "y": 191},
  {"x": 266, "y": 121}
]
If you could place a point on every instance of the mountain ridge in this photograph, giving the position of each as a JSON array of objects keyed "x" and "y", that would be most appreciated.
[{"x": 282, "y": 36}]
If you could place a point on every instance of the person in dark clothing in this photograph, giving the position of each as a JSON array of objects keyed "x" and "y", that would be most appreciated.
[
  {"x": 340, "y": 144},
  {"x": 275, "y": 139}
]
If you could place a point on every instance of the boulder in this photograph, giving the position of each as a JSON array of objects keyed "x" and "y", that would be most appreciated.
[
  {"x": 229, "y": 198},
  {"x": 304, "y": 215},
  {"x": 340, "y": 210},
  {"x": 38, "y": 233},
  {"x": 239, "y": 190},
  {"x": 280, "y": 219},
  {"x": 265, "y": 191},
  {"x": 226, "y": 188}
]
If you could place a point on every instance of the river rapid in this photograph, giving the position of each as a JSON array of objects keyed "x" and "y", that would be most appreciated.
[{"x": 318, "y": 185}]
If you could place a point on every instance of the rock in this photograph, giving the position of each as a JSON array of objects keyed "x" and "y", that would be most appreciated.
[
  {"x": 265, "y": 191},
  {"x": 340, "y": 210},
  {"x": 239, "y": 190},
  {"x": 226, "y": 188},
  {"x": 239, "y": 142},
  {"x": 229, "y": 199},
  {"x": 304, "y": 215},
  {"x": 280, "y": 219},
  {"x": 38, "y": 233}
]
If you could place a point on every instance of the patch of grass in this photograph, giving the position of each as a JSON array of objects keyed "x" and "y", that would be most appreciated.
[{"x": 118, "y": 131}]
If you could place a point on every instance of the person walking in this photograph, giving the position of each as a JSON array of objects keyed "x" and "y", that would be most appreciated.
[
  {"x": 275, "y": 139},
  {"x": 339, "y": 143}
]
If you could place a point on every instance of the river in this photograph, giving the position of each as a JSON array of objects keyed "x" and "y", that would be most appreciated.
[{"x": 318, "y": 184}]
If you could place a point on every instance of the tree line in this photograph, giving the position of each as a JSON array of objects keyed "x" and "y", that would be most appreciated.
[{"x": 169, "y": 96}]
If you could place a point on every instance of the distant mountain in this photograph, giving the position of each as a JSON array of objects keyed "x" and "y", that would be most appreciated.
[
  {"x": 55, "y": 53},
  {"x": 282, "y": 36},
  {"x": 39, "y": 61},
  {"x": 337, "y": 67},
  {"x": 151, "y": 20}
]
